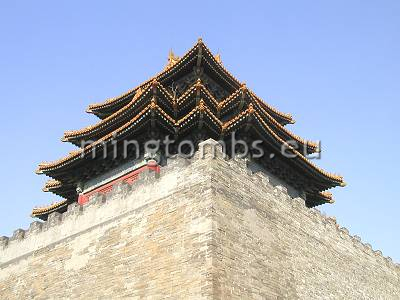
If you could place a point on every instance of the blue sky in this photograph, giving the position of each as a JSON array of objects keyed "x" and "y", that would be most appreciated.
[{"x": 335, "y": 65}]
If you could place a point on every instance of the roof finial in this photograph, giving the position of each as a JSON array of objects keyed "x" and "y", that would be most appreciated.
[
  {"x": 200, "y": 40},
  {"x": 171, "y": 54},
  {"x": 218, "y": 58},
  {"x": 153, "y": 103},
  {"x": 172, "y": 59},
  {"x": 139, "y": 92},
  {"x": 250, "y": 109},
  {"x": 198, "y": 83},
  {"x": 202, "y": 106}
]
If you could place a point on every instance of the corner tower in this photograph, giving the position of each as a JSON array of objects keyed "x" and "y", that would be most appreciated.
[
  {"x": 194, "y": 98},
  {"x": 159, "y": 222}
]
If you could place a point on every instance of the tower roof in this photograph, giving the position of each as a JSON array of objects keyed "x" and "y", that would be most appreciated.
[
  {"x": 194, "y": 96},
  {"x": 175, "y": 67}
]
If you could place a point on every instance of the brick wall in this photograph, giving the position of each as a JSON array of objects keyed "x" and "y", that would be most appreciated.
[{"x": 206, "y": 228}]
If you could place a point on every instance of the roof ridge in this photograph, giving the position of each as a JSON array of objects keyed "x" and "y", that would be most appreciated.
[
  {"x": 113, "y": 99},
  {"x": 305, "y": 142},
  {"x": 75, "y": 133},
  {"x": 81, "y": 151},
  {"x": 284, "y": 115},
  {"x": 332, "y": 176}
]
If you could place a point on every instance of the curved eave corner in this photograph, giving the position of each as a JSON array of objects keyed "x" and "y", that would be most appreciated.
[{"x": 43, "y": 212}]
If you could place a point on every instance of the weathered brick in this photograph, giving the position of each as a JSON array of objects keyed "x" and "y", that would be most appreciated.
[{"x": 206, "y": 229}]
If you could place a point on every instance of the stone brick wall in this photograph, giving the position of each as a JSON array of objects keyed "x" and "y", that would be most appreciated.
[
  {"x": 203, "y": 229},
  {"x": 268, "y": 245}
]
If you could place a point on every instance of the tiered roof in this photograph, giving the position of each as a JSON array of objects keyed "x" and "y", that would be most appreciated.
[{"x": 194, "y": 93}]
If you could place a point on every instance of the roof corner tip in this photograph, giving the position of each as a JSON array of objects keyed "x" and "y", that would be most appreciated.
[
  {"x": 39, "y": 170},
  {"x": 343, "y": 184}
]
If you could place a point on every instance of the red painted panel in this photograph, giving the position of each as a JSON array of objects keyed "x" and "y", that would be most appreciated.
[{"x": 107, "y": 187}]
